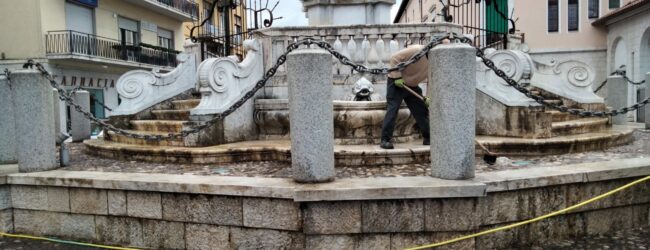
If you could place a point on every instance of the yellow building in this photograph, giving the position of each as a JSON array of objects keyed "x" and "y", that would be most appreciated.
[
  {"x": 212, "y": 35},
  {"x": 90, "y": 43}
]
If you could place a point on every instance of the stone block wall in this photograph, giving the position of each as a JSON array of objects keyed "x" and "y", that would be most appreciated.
[{"x": 162, "y": 220}]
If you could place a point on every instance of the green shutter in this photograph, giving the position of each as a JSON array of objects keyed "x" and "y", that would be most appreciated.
[{"x": 493, "y": 20}]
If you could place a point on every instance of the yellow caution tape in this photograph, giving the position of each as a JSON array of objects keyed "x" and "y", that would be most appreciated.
[{"x": 602, "y": 196}]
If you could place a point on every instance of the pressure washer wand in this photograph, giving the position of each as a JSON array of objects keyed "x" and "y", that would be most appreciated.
[{"x": 488, "y": 157}]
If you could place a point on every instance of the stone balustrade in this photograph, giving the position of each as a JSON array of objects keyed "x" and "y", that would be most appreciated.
[
  {"x": 141, "y": 89},
  {"x": 370, "y": 45}
]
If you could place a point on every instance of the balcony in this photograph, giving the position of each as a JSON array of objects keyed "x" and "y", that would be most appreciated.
[
  {"x": 67, "y": 44},
  {"x": 181, "y": 10}
]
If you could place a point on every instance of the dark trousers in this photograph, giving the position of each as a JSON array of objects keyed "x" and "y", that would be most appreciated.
[{"x": 394, "y": 97}]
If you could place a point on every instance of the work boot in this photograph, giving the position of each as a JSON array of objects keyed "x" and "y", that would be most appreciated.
[
  {"x": 426, "y": 142},
  {"x": 386, "y": 145}
]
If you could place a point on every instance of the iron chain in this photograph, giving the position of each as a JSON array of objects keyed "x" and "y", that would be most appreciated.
[
  {"x": 539, "y": 99},
  {"x": 261, "y": 83}
]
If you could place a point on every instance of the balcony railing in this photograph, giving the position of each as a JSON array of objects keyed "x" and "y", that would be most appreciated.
[
  {"x": 186, "y": 6},
  {"x": 67, "y": 42}
]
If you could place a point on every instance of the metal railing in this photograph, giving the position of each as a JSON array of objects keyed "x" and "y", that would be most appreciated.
[
  {"x": 68, "y": 42},
  {"x": 186, "y": 6},
  {"x": 487, "y": 21}
]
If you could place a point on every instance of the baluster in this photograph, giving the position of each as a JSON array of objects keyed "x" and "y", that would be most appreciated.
[
  {"x": 352, "y": 49},
  {"x": 374, "y": 58},
  {"x": 380, "y": 49},
  {"x": 365, "y": 47},
  {"x": 338, "y": 46}
]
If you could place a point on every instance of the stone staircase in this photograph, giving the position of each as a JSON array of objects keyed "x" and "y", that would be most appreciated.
[
  {"x": 569, "y": 133},
  {"x": 163, "y": 121}
]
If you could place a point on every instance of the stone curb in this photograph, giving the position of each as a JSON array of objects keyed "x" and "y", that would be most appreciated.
[{"x": 342, "y": 189}]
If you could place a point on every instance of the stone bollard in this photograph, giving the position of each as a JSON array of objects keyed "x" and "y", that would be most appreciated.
[
  {"x": 311, "y": 115},
  {"x": 452, "y": 88},
  {"x": 35, "y": 145},
  {"x": 647, "y": 95},
  {"x": 7, "y": 123},
  {"x": 80, "y": 125},
  {"x": 56, "y": 111},
  {"x": 617, "y": 97}
]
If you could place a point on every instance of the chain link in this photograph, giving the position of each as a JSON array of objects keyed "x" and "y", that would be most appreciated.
[
  {"x": 261, "y": 83},
  {"x": 539, "y": 99}
]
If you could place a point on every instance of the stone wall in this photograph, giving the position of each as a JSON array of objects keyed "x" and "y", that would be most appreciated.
[{"x": 232, "y": 217}]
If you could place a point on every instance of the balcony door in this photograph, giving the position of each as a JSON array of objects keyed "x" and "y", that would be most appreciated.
[
  {"x": 79, "y": 18},
  {"x": 80, "y": 23}
]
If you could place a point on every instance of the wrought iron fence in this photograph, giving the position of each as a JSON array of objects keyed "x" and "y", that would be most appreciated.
[
  {"x": 487, "y": 21},
  {"x": 185, "y": 6},
  {"x": 68, "y": 42}
]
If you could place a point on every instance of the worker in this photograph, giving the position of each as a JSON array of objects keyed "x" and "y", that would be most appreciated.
[{"x": 410, "y": 77}]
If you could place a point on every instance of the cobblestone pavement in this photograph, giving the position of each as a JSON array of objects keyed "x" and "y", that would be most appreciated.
[
  {"x": 637, "y": 238},
  {"x": 82, "y": 162}
]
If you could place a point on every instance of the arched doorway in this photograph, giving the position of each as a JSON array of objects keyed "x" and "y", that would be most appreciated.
[{"x": 644, "y": 68}]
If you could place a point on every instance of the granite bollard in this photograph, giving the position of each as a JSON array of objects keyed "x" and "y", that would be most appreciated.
[
  {"x": 36, "y": 148},
  {"x": 647, "y": 95},
  {"x": 80, "y": 125},
  {"x": 7, "y": 123},
  {"x": 452, "y": 88},
  {"x": 311, "y": 111},
  {"x": 56, "y": 114},
  {"x": 617, "y": 97}
]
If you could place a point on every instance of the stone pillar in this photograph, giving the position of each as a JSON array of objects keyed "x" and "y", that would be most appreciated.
[
  {"x": 56, "y": 113},
  {"x": 617, "y": 97},
  {"x": 311, "y": 115},
  {"x": 80, "y": 124},
  {"x": 452, "y": 89},
  {"x": 36, "y": 148},
  {"x": 647, "y": 95},
  {"x": 7, "y": 123}
]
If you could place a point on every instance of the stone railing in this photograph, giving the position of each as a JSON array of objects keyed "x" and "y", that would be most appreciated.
[
  {"x": 222, "y": 81},
  {"x": 140, "y": 89},
  {"x": 570, "y": 79},
  {"x": 371, "y": 45},
  {"x": 517, "y": 65}
]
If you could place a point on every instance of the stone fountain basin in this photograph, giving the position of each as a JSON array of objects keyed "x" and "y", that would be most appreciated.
[{"x": 355, "y": 123}]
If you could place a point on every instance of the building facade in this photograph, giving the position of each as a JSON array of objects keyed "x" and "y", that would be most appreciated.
[
  {"x": 555, "y": 30},
  {"x": 90, "y": 43},
  {"x": 228, "y": 24}
]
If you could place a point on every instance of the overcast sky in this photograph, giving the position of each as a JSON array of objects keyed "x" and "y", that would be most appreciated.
[{"x": 292, "y": 15}]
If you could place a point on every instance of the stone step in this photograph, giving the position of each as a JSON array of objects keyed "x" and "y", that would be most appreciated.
[
  {"x": 554, "y": 101},
  {"x": 165, "y": 126},
  {"x": 562, "y": 116},
  {"x": 113, "y": 137},
  {"x": 176, "y": 115},
  {"x": 186, "y": 104},
  {"x": 357, "y": 155},
  {"x": 580, "y": 126}
]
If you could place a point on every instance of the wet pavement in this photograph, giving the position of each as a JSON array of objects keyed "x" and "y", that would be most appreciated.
[
  {"x": 81, "y": 162},
  {"x": 26, "y": 244}
]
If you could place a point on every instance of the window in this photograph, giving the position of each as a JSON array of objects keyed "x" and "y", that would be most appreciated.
[
  {"x": 613, "y": 4},
  {"x": 222, "y": 20},
  {"x": 573, "y": 15},
  {"x": 553, "y": 12},
  {"x": 238, "y": 29},
  {"x": 209, "y": 27},
  {"x": 165, "y": 38},
  {"x": 594, "y": 8},
  {"x": 79, "y": 18},
  {"x": 129, "y": 32}
]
